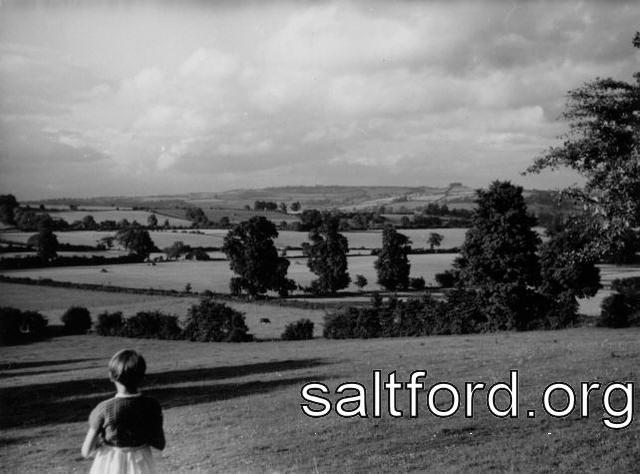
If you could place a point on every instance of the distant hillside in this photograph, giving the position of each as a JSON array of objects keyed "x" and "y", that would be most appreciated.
[{"x": 238, "y": 203}]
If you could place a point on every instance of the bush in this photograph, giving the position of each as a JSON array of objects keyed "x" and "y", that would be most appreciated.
[
  {"x": 622, "y": 308},
  {"x": 152, "y": 325},
  {"x": 236, "y": 285},
  {"x": 446, "y": 279},
  {"x": 210, "y": 321},
  {"x": 395, "y": 318},
  {"x": 352, "y": 322},
  {"x": 417, "y": 284},
  {"x": 19, "y": 327},
  {"x": 76, "y": 320},
  {"x": 298, "y": 330},
  {"x": 110, "y": 324}
]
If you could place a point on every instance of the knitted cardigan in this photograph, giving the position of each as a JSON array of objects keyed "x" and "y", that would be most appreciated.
[{"x": 129, "y": 422}]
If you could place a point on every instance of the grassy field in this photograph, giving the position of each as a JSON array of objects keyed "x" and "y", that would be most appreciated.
[
  {"x": 215, "y": 237},
  {"x": 236, "y": 407},
  {"x": 53, "y": 302},
  {"x": 119, "y": 214},
  {"x": 215, "y": 275}
]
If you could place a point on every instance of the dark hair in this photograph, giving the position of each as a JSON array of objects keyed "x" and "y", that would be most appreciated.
[{"x": 127, "y": 367}]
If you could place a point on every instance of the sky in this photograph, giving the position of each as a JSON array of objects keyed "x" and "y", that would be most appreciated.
[{"x": 157, "y": 97}]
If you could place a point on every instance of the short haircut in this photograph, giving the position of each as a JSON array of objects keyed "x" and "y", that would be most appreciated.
[{"x": 127, "y": 367}]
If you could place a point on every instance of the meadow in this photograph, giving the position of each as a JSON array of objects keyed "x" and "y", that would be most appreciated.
[
  {"x": 53, "y": 302},
  {"x": 101, "y": 215},
  {"x": 236, "y": 407},
  {"x": 215, "y": 275},
  {"x": 215, "y": 237}
]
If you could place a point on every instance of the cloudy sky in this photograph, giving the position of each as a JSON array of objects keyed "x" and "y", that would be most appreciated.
[{"x": 123, "y": 97}]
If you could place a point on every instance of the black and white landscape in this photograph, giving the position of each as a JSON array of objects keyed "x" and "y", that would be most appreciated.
[{"x": 335, "y": 230}]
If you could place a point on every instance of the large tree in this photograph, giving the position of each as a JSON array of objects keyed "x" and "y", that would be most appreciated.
[
  {"x": 498, "y": 259},
  {"x": 254, "y": 258},
  {"x": 136, "y": 240},
  {"x": 45, "y": 242},
  {"x": 603, "y": 145},
  {"x": 8, "y": 204},
  {"x": 393, "y": 265},
  {"x": 327, "y": 254}
]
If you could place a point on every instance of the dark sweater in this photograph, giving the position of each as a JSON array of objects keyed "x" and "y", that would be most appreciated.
[{"x": 129, "y": 422}]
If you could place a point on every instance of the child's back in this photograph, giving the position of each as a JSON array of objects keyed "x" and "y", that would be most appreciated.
[
  {"x": 123, "y": 429},
  {"x": 129, "y": 421}
]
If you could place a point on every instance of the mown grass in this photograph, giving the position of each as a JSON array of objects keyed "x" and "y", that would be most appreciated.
[{"x": 236, "y": 407}]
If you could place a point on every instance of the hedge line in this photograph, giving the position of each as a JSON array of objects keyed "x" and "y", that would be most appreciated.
[{"x": 21, "y": 263}]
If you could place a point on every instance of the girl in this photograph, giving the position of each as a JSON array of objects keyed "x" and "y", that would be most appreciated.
[{"x": 123, "y": 429}]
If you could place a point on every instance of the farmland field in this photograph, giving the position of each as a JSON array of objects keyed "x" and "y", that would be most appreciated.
[
  {"x": 53, "y": 302},
  {"x": 236, "y": 407},
  {"x": 117, "y": 215},
  {"x": 215, "y": 237},
  {"x": 215, "y": 275}
]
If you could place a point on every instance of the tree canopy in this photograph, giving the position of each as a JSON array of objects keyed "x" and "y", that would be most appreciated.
[
  {"x": 327, "y": 254},
  {"x": 603, "y": 145},
  {"x": 254, "y": 258},
  {"x": 136, "y": 240},
  {"x": 45, "y": 243},
  {"x": 392, "y": 264}
]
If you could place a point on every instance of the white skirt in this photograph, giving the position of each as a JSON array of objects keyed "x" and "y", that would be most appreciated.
[{"x": 112, "y": 460}]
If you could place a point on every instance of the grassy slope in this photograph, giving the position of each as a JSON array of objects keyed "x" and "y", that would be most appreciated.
[
  {"x": 235, "y": 408},
  {"x": 53, "y": 302}
]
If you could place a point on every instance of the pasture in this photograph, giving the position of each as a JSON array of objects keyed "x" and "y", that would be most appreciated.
[
  {"x": 215, "y": 275},
  {"x": 101, "y": 215},
  {"x": 236, "y": 407},
  {"x": 215, "y": 237},
  {"x": 53, "y": 302}
]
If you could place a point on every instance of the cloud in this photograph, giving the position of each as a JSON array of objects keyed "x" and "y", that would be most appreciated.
[{"x": 332, "y": 92}]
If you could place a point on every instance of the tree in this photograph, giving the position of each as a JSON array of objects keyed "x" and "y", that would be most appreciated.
[
  {"x": 567, "y": 272},
  {"x": 76, "y": 320},
  {"x": 361, "y": 281},
  {"x": 136, "y": 240},
  {"x": 254, "y": 258},
  {"x": 393, "y": 265},
  {"x": 8, "y": 204},
  {"x": 283, "y": 207},
  {"x": 435, "y": 240},
  {"x": 603, "y": 145},
  {"x": 45, "y": 243},
  {"x": 327, "y": 256},
  {"x": 197, "y": 216},
  {"x": 295, "y": 206},
  {"x": 498, "y": 258},
  {"x": 152, "y": 221},
  {"x": 176, "y": 250},
  {"x": 210, "y": 321},
  {"x": 310, "y": 220},
  {"x": 89, "y": 223},
  {"x": 106, "y": 241}
]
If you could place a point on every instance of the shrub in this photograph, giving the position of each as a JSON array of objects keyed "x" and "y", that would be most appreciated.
[
  {"x": 110, "y": 324},
  {"x": 19, "y": 327},
  {"x": 152, "y": 325},
  {"x": 417, "y": 284},
  {"x": 298, "y": 330},
  {"x": 210, "y": 321},
  {"x": 76, "y": 320},
  {"x": 352, "y": 322},
  {"x": 446, "y": 279},
  {"x": 395, "y": 318},
  {"x": 236, "y": 285},
  {"x": 622, "y": 308}
]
